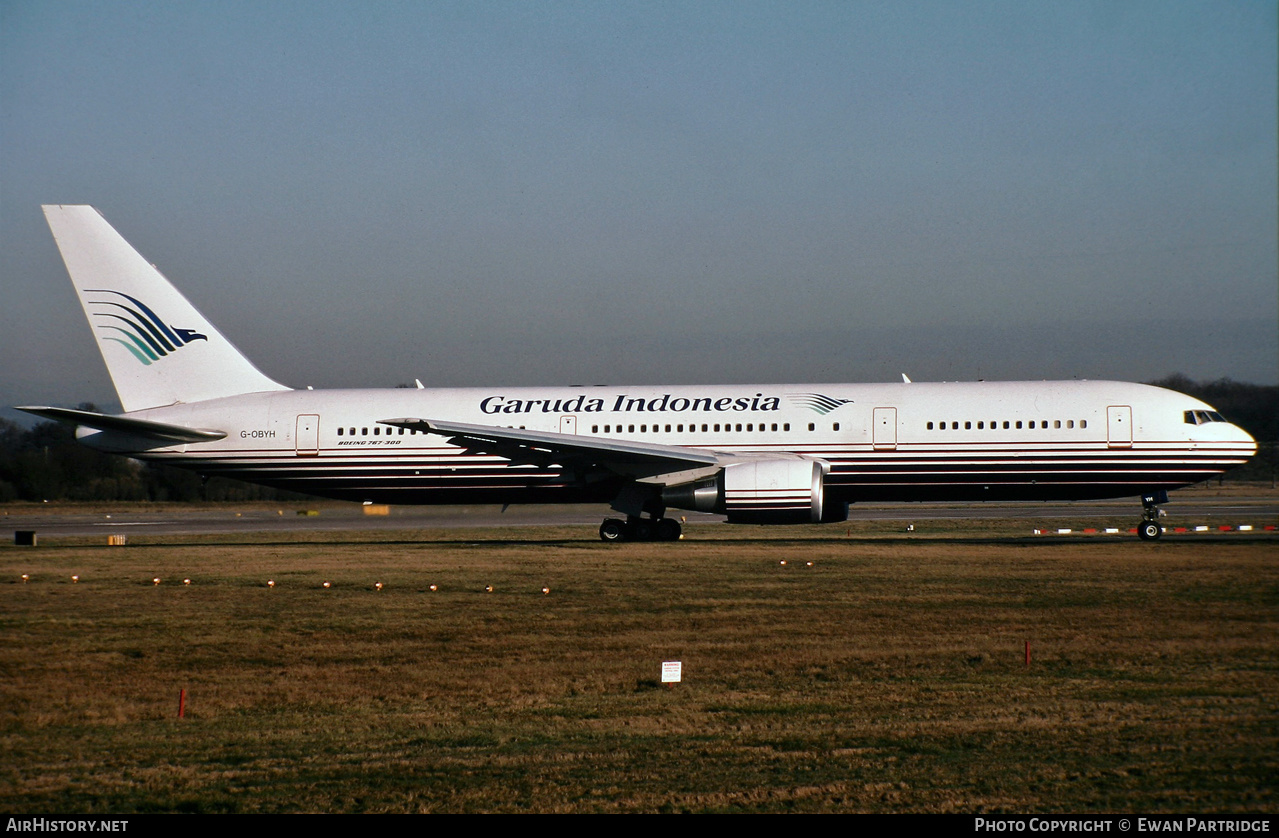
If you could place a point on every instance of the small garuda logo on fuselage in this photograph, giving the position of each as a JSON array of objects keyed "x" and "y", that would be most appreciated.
[
  {"x": 818, "y": 402},
  {"x": 137, "y": 328}
]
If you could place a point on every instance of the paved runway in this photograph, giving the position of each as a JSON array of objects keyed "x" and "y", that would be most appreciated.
[{"x": 178, "y": 519}]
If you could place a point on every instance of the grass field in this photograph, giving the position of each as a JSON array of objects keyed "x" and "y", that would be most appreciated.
[{"x": 888, "y": 675}]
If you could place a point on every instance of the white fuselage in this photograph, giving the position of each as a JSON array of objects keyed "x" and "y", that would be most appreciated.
[
  {"x": 759, "y": 454},
  {"x": 910, "y": 441}
]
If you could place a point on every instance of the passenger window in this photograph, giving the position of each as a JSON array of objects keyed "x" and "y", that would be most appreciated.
[
  {"x": 811, "y": 426},
  {"x": 835, "y": 427}
]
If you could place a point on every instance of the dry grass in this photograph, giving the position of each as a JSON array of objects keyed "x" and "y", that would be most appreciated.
[{"x": 888, "y": 676}]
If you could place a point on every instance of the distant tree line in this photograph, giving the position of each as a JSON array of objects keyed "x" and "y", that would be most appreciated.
[{"x": 44, "y": 462}]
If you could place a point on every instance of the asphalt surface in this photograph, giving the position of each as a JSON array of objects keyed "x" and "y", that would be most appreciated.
[{"x": 178, "y": 519}]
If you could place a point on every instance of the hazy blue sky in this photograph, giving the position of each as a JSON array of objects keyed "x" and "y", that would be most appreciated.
[{"x": 360, "y": 193}]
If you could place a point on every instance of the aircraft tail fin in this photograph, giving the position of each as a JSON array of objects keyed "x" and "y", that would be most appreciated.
[{"x": 157, "y": 347}]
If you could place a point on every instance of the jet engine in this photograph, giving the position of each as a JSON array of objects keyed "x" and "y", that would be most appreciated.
[{"x": 765, "y": 491}]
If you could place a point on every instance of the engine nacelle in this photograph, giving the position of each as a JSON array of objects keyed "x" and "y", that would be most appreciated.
[{"x": 773, "y": 491}]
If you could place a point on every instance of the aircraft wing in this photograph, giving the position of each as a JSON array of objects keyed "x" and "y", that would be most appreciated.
[{"x": 635, "y": 460}]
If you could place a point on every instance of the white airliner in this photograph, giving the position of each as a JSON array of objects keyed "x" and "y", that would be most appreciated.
[{"x": 769, "y": 453}]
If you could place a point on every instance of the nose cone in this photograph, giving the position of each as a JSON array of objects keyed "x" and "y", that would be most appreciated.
[
  {"x": 1232, "y": 441},
  {"x": 1228, "y": 444},
  {"x": 1242, "y": 437}
]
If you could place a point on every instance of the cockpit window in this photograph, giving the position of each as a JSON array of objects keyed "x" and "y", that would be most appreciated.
[{"x": 1201, "y": 417}]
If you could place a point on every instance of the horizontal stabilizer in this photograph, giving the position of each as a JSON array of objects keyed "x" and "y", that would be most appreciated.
[{"x": 124, "y": 424}]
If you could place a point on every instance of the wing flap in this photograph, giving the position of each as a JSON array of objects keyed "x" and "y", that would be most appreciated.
[{"x": 635, "y": 460}]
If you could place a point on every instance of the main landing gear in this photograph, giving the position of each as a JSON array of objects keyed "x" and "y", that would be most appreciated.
[
  {"x": 1149, "y": 529},
  {"x": 634, "y": 500},
  {"x": 635, "y": 528}
]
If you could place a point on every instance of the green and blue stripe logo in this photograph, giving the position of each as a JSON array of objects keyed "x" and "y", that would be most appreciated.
[
  {"x": 132, "y": 324},
  {"x": 817, "y": 402}
]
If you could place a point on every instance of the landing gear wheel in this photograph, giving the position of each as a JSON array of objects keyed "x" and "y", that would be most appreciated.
[
  {"x": 613, "y": 530},
  {"x": 640, "y": 529},
  {"x": 1149, "y": 530},
  {"x": 668, "y": 529}
]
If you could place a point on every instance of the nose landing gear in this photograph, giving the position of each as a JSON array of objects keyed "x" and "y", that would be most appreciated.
[{"x": 1149, "y": 529}]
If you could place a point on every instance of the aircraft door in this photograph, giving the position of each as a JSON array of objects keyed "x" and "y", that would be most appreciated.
[
  {"x": 884, "y": 429},
  {"x": 307, "y": 438},
  {"x": 568, "y": 424},
  {"x": 1119, "y": 426}
]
